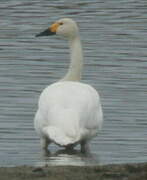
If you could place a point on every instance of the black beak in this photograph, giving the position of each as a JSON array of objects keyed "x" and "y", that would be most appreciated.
[{"x": 47, "y": 32}]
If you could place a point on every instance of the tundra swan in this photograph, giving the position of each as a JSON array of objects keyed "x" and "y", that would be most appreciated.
[{"x": 69, "y": 112}]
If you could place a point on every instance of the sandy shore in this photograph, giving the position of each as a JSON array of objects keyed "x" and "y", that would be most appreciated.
[{"x": 107, "y": 172}]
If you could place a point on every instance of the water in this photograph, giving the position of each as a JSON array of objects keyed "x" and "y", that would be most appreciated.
[{"x": 114, "y": 35}]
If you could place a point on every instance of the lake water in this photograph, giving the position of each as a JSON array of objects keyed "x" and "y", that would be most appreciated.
[{"x": 114, "y": 36}]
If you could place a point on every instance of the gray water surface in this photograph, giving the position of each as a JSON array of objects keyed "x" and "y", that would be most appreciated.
[{"x": 114, "y": 36}]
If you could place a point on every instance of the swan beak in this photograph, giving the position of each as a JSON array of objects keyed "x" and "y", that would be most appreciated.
[
  {"x": 50, "y": 31},
  {"x": 47, "y": 32}
]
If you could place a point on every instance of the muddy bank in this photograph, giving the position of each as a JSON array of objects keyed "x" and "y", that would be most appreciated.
[{"x": 107, "y": 172}]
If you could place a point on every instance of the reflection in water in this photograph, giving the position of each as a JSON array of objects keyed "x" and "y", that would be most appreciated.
[{"x": 68, "y": 157}]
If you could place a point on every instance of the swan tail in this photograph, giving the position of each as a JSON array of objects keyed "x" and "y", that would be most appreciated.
[{"x": 57, "y": 136}]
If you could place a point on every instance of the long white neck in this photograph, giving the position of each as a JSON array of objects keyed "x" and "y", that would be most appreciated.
[{"x": 76, "y": 64}]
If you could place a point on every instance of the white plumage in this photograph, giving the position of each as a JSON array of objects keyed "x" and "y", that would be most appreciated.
[{"x": 69, "y": 112}]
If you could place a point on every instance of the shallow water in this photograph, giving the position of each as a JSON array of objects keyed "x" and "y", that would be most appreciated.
[{"x": 114, "y": 35}]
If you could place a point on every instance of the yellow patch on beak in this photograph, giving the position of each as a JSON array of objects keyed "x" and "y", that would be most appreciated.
[{"x": 54, "y": 27}]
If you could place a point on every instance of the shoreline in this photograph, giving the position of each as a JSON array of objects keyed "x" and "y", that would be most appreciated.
[{"x": 130, "y": 171}]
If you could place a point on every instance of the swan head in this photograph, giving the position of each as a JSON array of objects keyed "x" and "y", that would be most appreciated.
[{"x": 66, "y": 28}]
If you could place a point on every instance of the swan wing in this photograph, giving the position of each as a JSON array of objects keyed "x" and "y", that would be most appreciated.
[{"x": 69, "y": 111}]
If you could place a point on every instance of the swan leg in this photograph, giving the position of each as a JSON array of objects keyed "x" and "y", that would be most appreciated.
[
  {"x": 44, "y": 143},
  {"x": 85, "y": 147}
]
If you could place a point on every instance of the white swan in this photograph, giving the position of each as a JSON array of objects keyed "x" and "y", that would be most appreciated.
[{"x": 69, "y": 112}]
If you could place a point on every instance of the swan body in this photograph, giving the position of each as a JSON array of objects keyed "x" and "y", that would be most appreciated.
[{"x": 69, "y": 112}]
